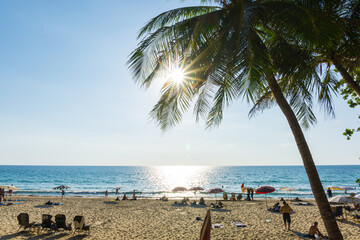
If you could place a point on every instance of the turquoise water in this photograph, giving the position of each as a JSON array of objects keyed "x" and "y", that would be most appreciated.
[{"x": 153, "y": 182}]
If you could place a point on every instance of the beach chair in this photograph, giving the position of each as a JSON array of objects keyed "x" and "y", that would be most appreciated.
[
  {"x": 47, "y": 223},
  {"x": 225, "y": 196},
  {"x": 239, "y": 197},
  {"x": 80, "y": 226},
  {"x": 23, "y": 219},
  {"x": 338, "y": 211},
  {"x": 60, "y": 223}
]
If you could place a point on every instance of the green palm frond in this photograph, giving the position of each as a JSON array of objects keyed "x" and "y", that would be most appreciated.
[
  {"x": 174, "y": 16},
  {"x": 263, "y": 102},
  {"x": 230, "y": 49}
]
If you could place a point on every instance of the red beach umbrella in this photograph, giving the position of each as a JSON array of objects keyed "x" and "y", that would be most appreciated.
[
  {"x": 179, "y": 189},
  {"x": 206, "y": 227},
  {"x": 215, "y": 190},
  {"x": 196, "y": 189},
  {"x": 265, "y": 190}
]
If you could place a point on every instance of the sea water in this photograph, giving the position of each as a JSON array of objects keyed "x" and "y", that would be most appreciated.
[{"x": 153, "y": 182}]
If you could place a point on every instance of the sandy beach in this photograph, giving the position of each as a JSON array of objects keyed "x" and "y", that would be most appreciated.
[{"x": 154, "y": 219}]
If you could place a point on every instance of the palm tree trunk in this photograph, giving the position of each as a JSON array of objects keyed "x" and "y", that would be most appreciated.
[
  {"x": 347, "y": 77},
  {"x": 314, "y": 179}
]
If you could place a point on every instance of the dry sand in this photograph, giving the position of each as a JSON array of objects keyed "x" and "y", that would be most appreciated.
[{"x": 154, "y": 219}]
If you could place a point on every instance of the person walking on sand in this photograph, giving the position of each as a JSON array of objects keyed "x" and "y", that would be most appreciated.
[
  {"x": 106, "y": 193},
  {"x": 252, "y": 194},
  {"x": 62, "y": 193},
  {"x": 286, "y": 210}
]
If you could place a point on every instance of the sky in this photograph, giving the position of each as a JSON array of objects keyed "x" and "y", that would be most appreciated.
[{"x": 68, "y": 98}]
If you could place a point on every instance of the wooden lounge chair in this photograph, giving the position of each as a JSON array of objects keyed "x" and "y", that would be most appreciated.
[
  {"x": 80, "y": 226},
  {"x": 23, "y": 219},
  {"x": 47, "y": 223},
  {"x": 60, "y": 223}
]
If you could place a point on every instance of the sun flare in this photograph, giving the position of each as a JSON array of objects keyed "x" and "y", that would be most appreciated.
[{"x": 177, "y": 75}]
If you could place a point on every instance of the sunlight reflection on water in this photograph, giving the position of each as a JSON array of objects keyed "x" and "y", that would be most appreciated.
[{"x": 168, "y": 177}]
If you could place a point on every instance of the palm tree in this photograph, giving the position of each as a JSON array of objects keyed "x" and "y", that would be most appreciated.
[
  {"x": 345, "y": 18},
  {"x": 346, "y": 57},
  {"x": 226, "y": 52}
]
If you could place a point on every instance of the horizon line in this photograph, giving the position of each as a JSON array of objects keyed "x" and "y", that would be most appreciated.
[{"x": 266, "y": 165}]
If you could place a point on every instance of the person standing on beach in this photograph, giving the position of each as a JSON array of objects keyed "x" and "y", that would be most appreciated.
[
  {"x": 106, "y": 193},
  {"x": 248, "y": 195},
  {"x": 329, "y": 192},
  {"x": 2, "y": 194},
  {"x": 252, "y": 194},
  {"x": 286, "y": 210},
  {"x": 62, "y": 193},
  {"x": 10, "y": 192}
]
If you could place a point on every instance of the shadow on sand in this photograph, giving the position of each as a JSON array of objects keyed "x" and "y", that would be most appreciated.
[
  {"x": 50, "y": 236},
  {"x": 43, "y": 206},
  {"x": 111, "y": 202},
  {"x": 220, "y": 210}
]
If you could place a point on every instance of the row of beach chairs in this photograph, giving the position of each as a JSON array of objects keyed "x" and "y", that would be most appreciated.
[{"x": 48, "y": 224}]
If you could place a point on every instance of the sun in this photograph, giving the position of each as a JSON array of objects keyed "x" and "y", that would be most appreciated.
[{"x": 177, "y": 75}]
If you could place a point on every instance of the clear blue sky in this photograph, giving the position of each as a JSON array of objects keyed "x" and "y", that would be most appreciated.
[{"x": 67, "y": 97}]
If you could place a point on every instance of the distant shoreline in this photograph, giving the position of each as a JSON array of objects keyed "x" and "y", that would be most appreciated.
[
  {"x": 45, "y": 165},
  {"x": 220, "y": 198}
]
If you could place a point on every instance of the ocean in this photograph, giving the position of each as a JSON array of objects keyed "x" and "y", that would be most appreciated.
[{"x": 153, "y": 182}]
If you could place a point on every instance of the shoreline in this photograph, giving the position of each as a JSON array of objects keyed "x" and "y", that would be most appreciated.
[{"x": 152, "y": 198}]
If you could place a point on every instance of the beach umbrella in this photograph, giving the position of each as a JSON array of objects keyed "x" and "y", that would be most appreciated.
[
  {"x": 344, "y": 199},
  {"x": 179, "y": 189},
  {"x": 8, "y": 187},
  {"x": 206, "y": 227},
  {"x": 196, "y": 189},
  {"x": 215, "y": 190},
  {"x": 265, "y": 190},
  {"x": 346, "y": 188},
  {"x": 288, "y": 189},
  {"x": 117, "y": 189},
  {"x": 61, "y": 187},
  {"x": 335, "y": 188}
]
